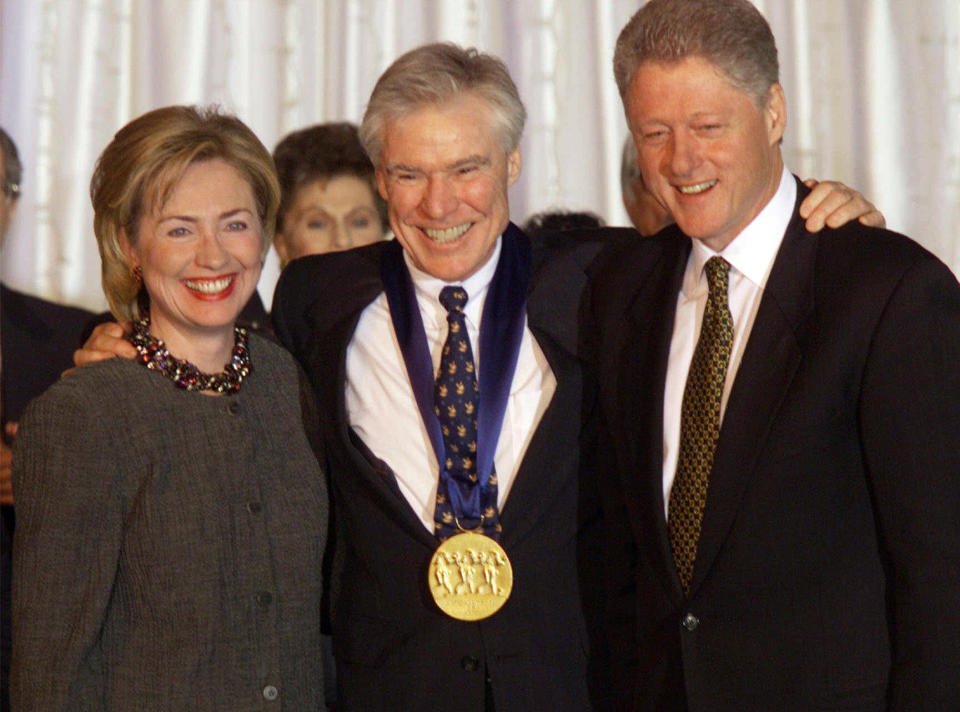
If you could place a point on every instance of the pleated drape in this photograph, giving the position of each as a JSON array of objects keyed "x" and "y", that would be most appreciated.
[{"x": 873, "y": 92}]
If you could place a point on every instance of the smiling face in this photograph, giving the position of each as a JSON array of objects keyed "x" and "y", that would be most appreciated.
[
  {"x": 200, "y": 257},
  {"x": 707, "y": 152},
  {"x": 329, "y": 215},
  {"x": 444, "y": 174}
]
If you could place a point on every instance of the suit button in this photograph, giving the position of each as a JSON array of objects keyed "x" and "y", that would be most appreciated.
[
  {"x": 233, "y": 408},
  {"x": 469, "y": 663},
  {"x": 270, "y": 693},
  {"x": 253, "y": 507},
  {"x": 690, "y": 622},
  {"x": 264, "y": 599}
]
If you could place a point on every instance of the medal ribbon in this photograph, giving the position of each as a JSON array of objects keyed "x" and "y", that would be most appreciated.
[{"x": 501, "y": 331}]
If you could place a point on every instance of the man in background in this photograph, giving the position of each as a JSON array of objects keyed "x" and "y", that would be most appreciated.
[{"x": 646, "y": 214}]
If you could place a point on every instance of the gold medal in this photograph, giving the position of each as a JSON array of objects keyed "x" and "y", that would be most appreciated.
[{"x": 470, "y": 576}]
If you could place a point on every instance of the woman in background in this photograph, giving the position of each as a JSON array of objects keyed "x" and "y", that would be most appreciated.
[
  {"x": 330, "y": 200},
  {"x": 171, "y": 512}
]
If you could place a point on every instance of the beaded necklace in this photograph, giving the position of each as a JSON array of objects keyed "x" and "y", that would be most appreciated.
[{"x": 152, "y": 353}]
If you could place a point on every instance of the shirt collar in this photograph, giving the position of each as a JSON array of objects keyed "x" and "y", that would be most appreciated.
[
  {"x": 428, "y": 287},
  {"x": 753, "y": 251}
]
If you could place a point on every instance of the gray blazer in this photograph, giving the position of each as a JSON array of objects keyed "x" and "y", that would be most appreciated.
[{"x": 169, "y": 544}]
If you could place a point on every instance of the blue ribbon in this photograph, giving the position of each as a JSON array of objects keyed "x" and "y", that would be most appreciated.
[{"x": 501, "y": 331}]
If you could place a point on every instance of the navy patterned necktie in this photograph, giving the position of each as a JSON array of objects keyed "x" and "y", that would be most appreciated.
[
  {"x": 456, "y": 400},
  {"x": 700, "y": 422}
]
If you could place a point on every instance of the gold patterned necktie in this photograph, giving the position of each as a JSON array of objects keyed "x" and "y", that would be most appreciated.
[{"x": 700, "y": 422}]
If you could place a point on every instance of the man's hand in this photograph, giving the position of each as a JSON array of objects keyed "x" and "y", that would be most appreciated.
[
  {"x": 106, "y": 341},
  {"x": 6, "y": 462},
  {"x": 833, "y": 204}
]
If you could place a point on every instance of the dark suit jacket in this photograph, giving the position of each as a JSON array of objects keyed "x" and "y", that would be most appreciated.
[
  {"x": 37, "y": 341},
  {"x": 828, "y": 570},
  {"x": 395, "y": 650}
]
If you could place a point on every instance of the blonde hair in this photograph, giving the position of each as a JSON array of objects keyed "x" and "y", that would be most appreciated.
[{"x": 139, "y": 169}]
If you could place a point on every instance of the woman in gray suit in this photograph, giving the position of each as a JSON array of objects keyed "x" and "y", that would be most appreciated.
[{"x": 171, "y": 512}]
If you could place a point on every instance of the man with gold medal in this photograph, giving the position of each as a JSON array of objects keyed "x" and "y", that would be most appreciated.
[
  {"x": 445, "y": 363},
  {"x": 462, "y": 423}
]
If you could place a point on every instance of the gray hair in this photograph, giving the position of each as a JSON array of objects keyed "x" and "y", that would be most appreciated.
[
  {"x": 12, "y": 168},
  {"x": 437, "y": 73},
  {"x": 731, "y": 34}
]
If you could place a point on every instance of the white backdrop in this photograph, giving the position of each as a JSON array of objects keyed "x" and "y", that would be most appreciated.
[{"x": 873, "y": 91}]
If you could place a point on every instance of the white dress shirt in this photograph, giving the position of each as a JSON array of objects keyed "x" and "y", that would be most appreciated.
[
  {"x": 382, "y": 409},
  {"x": 751, "y": 255}
]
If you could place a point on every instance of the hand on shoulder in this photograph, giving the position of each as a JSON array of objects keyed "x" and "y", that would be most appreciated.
[
  {"x": 832, "y": 204},
  {"x": 107, "y": 340}
]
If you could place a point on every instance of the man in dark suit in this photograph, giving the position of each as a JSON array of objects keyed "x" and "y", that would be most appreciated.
[
  {"x": 37, "y": 341},
  {"x": 443, "y": 127},
  {"x": 780, "y": 411}
]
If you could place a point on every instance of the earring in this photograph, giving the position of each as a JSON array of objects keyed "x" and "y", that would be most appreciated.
[{"x": 138, "y": 273}]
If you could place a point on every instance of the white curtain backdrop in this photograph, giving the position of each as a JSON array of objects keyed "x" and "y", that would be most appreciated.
[{"x": 873, "y": 91}]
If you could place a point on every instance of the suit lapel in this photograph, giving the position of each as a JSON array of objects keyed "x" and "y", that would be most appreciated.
[
  {"x": 641, "y": 367},
  {"x": 329, "y": 350},
  {"x": 551, "y": 319},
  {"x": 769, "y": 363}
]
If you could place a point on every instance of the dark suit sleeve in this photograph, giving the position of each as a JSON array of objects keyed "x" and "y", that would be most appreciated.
[
  {"x": 619, "y": 584},
  {"x": 39, "y": 338},
  {"x": 69, "y": 533},
  {"x": 910, "y": 429},
  {"x": 615, "y": 643},
  {"x": 311, "y": 425},
  {"x": 283, "y": 313}
]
